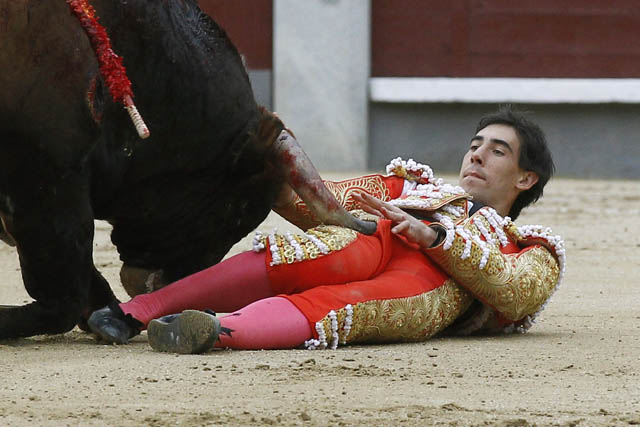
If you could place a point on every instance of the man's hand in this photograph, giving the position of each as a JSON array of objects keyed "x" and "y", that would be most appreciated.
[{"x": 414, "y": 230}]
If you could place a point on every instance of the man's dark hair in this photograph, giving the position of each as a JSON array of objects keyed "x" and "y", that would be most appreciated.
[{"x": 534, "y": 153}]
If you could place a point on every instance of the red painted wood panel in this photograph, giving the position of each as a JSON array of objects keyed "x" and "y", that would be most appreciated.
[
  {"x": 506, "y": 38},
  {"x": 249, "y": 24}
]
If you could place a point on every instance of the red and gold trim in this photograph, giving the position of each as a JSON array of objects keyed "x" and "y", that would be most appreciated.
[{"x": 381, "y": 187}]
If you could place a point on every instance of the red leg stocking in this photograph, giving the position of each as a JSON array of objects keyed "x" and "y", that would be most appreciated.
[{"x": 224, "y": 287}]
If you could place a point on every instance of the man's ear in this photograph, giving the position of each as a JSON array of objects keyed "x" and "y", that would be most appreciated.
[{"x": 527, "y": 180}]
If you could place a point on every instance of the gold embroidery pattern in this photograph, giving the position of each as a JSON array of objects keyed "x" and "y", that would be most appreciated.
[
  {"x": 514, "y": 284},
  {"x": 321, "y": 240},
  {"x": 397, "y": 320},
  {"x": 372, "y": 184},
  {"x": 343, "y": 191}
]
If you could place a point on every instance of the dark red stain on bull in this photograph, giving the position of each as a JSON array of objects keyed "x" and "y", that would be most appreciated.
[{"x": 96, "y": 111}]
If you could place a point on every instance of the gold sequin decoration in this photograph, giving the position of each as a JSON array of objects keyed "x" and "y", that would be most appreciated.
[
  {"x": 408, "y": 319},
  {"x": 333, "y": 236}
]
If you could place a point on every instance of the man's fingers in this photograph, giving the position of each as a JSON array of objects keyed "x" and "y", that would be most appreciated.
[
  {"x": 404, "y": 224},
  {"x": 378, "y": 204},
  {"x": 372, "y": 211},
  {"x": 394, "y": 209},
  {"x": 393, "y": 215},
  {"x": 368, "y": 199},
  {"x": 389, "y": 214},
  {"x": 383, "y": 209},
  {"x": 365, "y": 205},
  {"x": 401, "y": 227}
]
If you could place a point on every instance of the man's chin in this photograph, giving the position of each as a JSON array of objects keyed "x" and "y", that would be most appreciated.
[
  {"x": 476, "y": 191},
  {"x": 471, "y": 184}
]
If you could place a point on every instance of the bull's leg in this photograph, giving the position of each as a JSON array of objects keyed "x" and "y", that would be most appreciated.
[
  {"x": 4, "y": 235},
  {"x": 53, "y": 228},
  {"x": 301, "y": 175},
  {"x": 100, "y": 295}
]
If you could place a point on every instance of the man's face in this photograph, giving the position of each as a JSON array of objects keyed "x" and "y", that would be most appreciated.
[{"x": 490, "y": 171}]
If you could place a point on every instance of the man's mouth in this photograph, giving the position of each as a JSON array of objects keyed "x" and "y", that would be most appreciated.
[{"x": 474, "y": 174}]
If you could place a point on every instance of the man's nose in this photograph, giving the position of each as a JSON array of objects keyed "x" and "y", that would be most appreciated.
[{"x": 476, "y": 156}]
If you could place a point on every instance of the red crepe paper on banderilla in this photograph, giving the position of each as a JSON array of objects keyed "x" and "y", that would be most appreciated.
[{"x": 111, "y": 68}]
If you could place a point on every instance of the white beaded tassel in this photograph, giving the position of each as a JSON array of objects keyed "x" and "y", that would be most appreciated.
[
  {"x": 258, "y": 246},
  {"x": 276, "y": 259},
  {"x": 347, "y": 323},
  {"x": 321, "y": 342},
  {"x": 498, "y": 223},
  {"x": 322, "y": 247},
  {"x": 334, "y": 330},
  {"x": 410, "y": 165},
  {"x": 299, "y": 253}
]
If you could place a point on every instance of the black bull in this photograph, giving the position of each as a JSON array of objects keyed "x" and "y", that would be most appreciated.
[{"x": 177, "y": 201}]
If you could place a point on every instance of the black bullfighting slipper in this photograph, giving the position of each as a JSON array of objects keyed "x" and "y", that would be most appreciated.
[
  {"x": 113, "y": 326},
  {"x": 189, "y": 332}
]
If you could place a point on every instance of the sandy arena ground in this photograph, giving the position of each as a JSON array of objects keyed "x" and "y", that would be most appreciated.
[{"x": 579, "y": 366}]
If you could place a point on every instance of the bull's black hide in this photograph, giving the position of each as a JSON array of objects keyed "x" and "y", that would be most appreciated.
[{"x": 68, "y": 155}]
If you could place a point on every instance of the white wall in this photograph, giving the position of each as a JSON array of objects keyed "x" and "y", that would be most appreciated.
[{"x": 320, "y": 77}]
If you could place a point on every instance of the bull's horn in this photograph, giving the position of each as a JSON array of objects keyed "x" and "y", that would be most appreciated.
[{"x": 302, "y": 176}]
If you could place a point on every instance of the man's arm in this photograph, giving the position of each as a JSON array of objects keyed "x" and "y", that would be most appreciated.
[{"x": 515, "y": 284}]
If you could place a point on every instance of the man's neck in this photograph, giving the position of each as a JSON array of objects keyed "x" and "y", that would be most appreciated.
[{"x": 478, "y": 205}]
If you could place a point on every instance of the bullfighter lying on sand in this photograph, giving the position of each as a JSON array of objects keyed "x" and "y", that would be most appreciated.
[{"x": 443, "y": 257}]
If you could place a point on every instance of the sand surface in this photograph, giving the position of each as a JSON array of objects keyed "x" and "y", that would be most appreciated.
[{"x": 580, "y": 365}]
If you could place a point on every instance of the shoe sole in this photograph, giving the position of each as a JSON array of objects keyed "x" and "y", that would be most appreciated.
[{"x": 190, "y": 333}]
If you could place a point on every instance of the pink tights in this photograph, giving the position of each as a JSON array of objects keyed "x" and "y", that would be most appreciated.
[
  {"x": 271, "y": 323},
  {"x": 240, "y": 285}
]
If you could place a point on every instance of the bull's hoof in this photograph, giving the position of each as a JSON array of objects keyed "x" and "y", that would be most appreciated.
[
  {"x": 190, "y": 332},
  {"x": 83, "y": 325},
  {"x": 113, "y": 326},
  {"x": 138, "y": 280}
]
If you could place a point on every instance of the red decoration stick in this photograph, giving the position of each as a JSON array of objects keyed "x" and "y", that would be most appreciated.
[{"x": 111, "y": 68}]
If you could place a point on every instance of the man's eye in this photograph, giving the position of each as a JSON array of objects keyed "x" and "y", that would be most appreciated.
[
  {"x": 473, "y": 148},
  {"x": 498, "y": 152}
]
